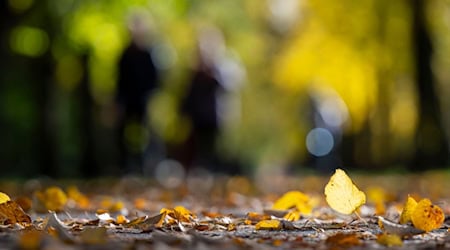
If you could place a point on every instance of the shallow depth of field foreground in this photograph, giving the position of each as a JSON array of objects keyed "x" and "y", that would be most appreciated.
[{"x": 206, "y": 212}]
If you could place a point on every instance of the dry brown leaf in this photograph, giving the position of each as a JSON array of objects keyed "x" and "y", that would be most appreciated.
[
  {"x": 344, "y": 240},
  {"x": 94, "y": 235},
  {"x": 24, "y": 202},
  {"x": 11, "y": 212},
  {"x": 31, "y": 239},
  {"x": 255, "y": 217}
]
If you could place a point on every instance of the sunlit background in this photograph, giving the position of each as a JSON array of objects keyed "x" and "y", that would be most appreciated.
[{"x": 309, "y": 84}]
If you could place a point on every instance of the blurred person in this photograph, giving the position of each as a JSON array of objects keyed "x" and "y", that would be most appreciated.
[
  {"x": 203, "y": 103},
  {"x": 328, "y": 115},
  {"x": 138, "y": 79}
]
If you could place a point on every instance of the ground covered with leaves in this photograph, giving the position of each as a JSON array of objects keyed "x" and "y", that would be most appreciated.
[{"x": 215, "y": 212}]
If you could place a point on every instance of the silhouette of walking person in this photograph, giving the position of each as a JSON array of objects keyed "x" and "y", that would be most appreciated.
[
  {"x": 138, "y": 78},
  {"x": 200, "y": 106}
]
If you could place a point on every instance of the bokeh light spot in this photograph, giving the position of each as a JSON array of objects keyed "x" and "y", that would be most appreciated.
[
  {"x": 29, "y": 41},
  {"x": 170, "y": 173},
  {"x": 319, "y": 142}
]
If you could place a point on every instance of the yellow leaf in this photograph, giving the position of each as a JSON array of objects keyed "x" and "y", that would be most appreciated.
[
  {"x": 53, "y": 198},
  {"x": 378, "y": 197},
  {"x": 427, "y": 216},
  {"x": 4, "y": 198},
  {"x": 342, "y": 195},
  {"x": 290, "y": 200},
  {"x": 409, "y": 207},
  {"x": 292, "y": 216},
  {"x": 389, "y": 240},
  {"x": 268, "y": 225},
  {"x": 121, "y": 219},
  {"x": 75, "y": 194},
  {"x": 179, "y": 213},
  {"x": 182, "y": 214}
]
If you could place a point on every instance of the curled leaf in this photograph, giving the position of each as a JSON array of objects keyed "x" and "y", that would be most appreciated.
[
  {"x": 408, "y": 209},
  {"x": 427, "y": 216},
  {"x": 399, "y": 229}
]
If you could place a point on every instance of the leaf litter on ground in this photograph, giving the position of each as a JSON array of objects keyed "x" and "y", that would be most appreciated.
[{"x": 301, "y": 217}]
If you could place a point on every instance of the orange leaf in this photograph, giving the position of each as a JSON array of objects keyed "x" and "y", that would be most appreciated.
[
  {"x": 344, "y": 240},
  {"x": 427, "y": 216},
  {"x": 11, "y": 212}
]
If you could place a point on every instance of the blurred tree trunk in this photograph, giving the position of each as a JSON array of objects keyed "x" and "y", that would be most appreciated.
[
  {"x": 42, "y": 89},
  {"x": 89, "y": 167},
  {"x": 431, "y": 142}
]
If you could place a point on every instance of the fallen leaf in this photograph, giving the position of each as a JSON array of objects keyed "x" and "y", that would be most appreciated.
[
  {"x": 378, "y": 197},
  {"x": 389, "y": 240},
  {"x": 121, "y": 219},
  {"x": 427, "y": 216},
  {"x": 94, "y": 235},
  {"x": 255, "y": 217},
  {"x": 399, "y": 229},
  {"x": 344, "y": 240},
  {"x": 11, "y": 213},
  {"x": 408, "y": 209},
  {"x": 80, "y": 199},
  {"x": 53, "y": 199},
  {"x": 24, "y": 202},
  {"x": 269, "y": 225},
  {"x": 4, "y": 198},
  {"x": 342, "y": 195},
  {"x": 179, "y": 213},
  {"x": 31, "y": 239},
  {"x": 58, "y": 228},
  {"x": 292, "y": 216},
  {"x": 290, "y": 200}
]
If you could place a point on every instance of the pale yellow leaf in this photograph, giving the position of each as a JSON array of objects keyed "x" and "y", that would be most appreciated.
[{"x": 342, "y": 195}]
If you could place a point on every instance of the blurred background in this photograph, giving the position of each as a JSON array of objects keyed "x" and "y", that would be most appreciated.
[{"x": 236, "y": 87}]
